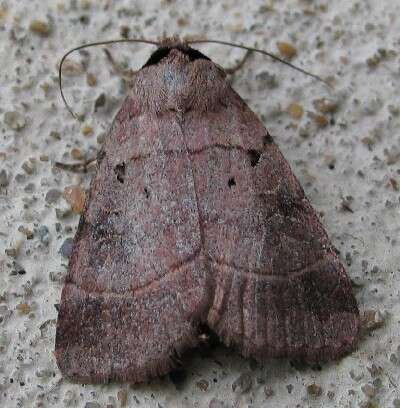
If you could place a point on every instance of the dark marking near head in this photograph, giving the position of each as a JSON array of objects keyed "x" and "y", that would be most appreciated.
[
  {"x": 178, "y": 378},
  {"x": 254, "y": 157},
  {"x": 119, "y": 170},
  {"x": 162, "y": 52},
  {"x": 267, "y": 139},
  {"x": 231, "y": 182},
  {"x": 100, "y": 156},
  {"x": 302, "y": 365}
]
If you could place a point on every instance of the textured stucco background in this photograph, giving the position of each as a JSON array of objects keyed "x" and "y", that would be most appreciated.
[{"x": 345, "y": 151}]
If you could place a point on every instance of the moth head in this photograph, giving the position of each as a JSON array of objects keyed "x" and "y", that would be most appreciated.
[{"x": 167, "y": 49}]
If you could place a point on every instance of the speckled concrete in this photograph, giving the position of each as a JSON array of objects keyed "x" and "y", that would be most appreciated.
[{"x": 346, "y": 155}]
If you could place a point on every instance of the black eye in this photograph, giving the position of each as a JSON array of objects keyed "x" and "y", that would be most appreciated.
[{"x": 162, "y": 52}]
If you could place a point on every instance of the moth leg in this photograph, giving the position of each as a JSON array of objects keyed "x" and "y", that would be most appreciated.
[
  {"x": 238, "y": 65},
  {"x": 126, "y": 74},
  {"x": 77, "y": 167}
]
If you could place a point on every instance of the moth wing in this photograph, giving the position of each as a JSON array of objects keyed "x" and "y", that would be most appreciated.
[
  {"x": 136, "y": 286},
  {"x": 280, "y": 288}
]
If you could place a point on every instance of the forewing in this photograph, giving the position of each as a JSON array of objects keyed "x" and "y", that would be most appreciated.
[
  {"x": 136, "y": 286},
  {"x": 280, "y": 289}
]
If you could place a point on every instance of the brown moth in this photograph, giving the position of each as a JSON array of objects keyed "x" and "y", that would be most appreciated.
[{"x": 195, "y": 218}]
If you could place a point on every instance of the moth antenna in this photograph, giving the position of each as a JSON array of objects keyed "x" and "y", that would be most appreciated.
[
  {"x": 94, "y": 44},
  {"x": 269, "y": 54}
]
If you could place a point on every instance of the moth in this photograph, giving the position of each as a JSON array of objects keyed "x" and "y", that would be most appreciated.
[{"x": 194, "y": 218}]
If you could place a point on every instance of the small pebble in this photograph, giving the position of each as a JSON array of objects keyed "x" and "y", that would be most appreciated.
[
  {"x": 375, "y": 370},
  {"x": 372, "y": 106},
  {"x": 320, "y": 120},
  {"x": 235, "y": 28},
  {"x": 381, "y": 55},
  {"x": 330, "y": 395},
  {"x": 111, "y": 403},
  {"x": 14, "y": 120},
  {"x": 77, "y": 154},
  {"x": 356, "y": 376},
  {"x": 44, "y": 373},
  {"x": 52, "y": 196},
  {"x": 325, "y": 105},
  {"x": 267, "y": 80},
  {"x": 66, "y": 248},
  {"x": 304, "y": 131},
  {"x": 17, "y": 269},
  {"x": 71, "y": 68},
  {"x": 216, "y": 403},
  {"x": 40, "y": 27},
  {"x": 377, "y": 383},
  {"x": 101, "y": 138},
  {"x": 56, "y": 276},
  {"x": 286, "y": 50},
  {"x": 23, "y": 308},
  {"x": 122, "y": 396},
  {"x": 12, "y": 252},
  {"x": 92, "y": 405},
  {"x": 29, "y": 166},
  {"x": 394, "y": 110},
  {"x": 372, "y": 320},
  {"x": 4, "y": 178},
  {"x": 369, "y": 390},
  {"x": 100, "y": 101},
  {"x": 124, "y": 31},
  {"x": 75, "y": 196},
  {"x": 44, "y": 236},
  {"x": 70, "y": 399},
  {"x": 91, "y": 79},
  {"x": 268, "y": 392},
  {"x": 330, "y": 161},
  {"x": 20, "y": 178},
  {"x": 314, "y": 390},
  {"x": 26, "y": 231},
  {"x": 86, "y": 4},
  {"x": 395, "y": 357},
  {"x": 4, "y": 341},
  {"x": 202, "y": 385},
  {"x": 182, "y": 22},
  {"x": 87, "y": 130},
  {"x": 55, "y": 135},
  {"x": 295, "y": 111},
  {"x": 243, "y": 384},
  {"x": 29, "y": 188},
  {"x": 368, "y": 404}
]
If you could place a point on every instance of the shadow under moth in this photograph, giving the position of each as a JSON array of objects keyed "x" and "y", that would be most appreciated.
[{"x": 194, "y": 218}]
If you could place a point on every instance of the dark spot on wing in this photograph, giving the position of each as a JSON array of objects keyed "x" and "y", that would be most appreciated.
[
  {"x": 119, "y": 170},
  {"x": 254, "y": 157}
]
